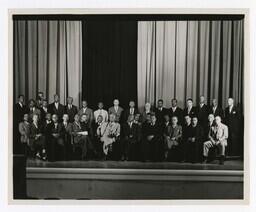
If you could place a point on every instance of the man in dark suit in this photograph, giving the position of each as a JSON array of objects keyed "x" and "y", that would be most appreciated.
[
  {"x": 19, "y": 110},
  {"x": 96, "y": 127},
  {"x": 160, "y": 111},
  {"x": 174, "y": 110},
  {"x": 153, "y": 137},
  {"x": 130, "y": 134},
  {"x": 57, "y": 108},
  {"x": 33, "y": 110},
  {"x": 190, "y": 109},
  {"x": 195, "y": 141},
  {"x": 44, "y": 109},
  {"x": 203, "y": 112},
  {"x": 117, "y": 110},
  {"x": 87, "y": 111},
  {"x": 70, "y": 109},
  {"x": 130, "y": 111},
  {"x": 56, "y": 149},
  {"x": 232, "y": 120},
  {"x": 186, "y": 131},
  {"x": 216, "y": 110}
]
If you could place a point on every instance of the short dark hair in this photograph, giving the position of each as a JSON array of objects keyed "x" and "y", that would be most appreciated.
[
  {"x": 20, "y": 95},
  {"x": 160, "y": 100},
  {"x": 174, "y": 99},
  {"x": 31, "y": 100},
  {"x": 190, "y": 99}
]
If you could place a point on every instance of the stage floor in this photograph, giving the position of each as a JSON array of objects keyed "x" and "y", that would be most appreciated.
[{"x": 229, "y": 165}]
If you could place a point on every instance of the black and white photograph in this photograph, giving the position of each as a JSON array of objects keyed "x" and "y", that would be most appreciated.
[{"x": 139, "y": 106}]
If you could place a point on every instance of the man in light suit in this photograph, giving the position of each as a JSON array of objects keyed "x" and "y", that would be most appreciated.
[
  {"x": 117, "y": 110},
  {"x": 103, "y": 113},
  {"x": 218, "y": 136},
  {"x": 87, "y": 111},
  {"x": 70, "y": 109},
  {"x": 24, "y": 133},
  {"x": 57, "y": 108}
]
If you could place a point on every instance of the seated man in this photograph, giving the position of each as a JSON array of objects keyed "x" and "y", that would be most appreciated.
[
  {"x": 24, "y": 133},
  {"x": 37, "y": 139},
  {"x": 194, "y": 141},
  {"x": 172, "y": 137},
  {"x": 80, "y": 137},
  {"x": 153, "y": 138},
  {"x": 218, "y": 136},
  {"x": 185, "y": 134},
  {"x": 110, "y": 132},
  {"x": 96, "y": 126},
  {"x": 130, "y": 134},
  {"x": 66, "y": 135},
  {"x": 56, "y": 149}
]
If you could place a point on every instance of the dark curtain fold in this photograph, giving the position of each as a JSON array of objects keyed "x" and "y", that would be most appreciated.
[{"x": 109, "y": 62}]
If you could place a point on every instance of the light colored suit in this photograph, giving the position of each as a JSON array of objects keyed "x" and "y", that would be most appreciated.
[
  {"x": 109, "y": 132},
  {"x": 218, "y": 136},
  {"x": 172, "y": 136},
  {"x": 118, "y": 112},
  {"x": 24, "y": 132},
  {"x": 101, "y": 112}
]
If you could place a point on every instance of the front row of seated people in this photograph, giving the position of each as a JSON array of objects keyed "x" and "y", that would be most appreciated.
[{"x": 147, "y": 141}]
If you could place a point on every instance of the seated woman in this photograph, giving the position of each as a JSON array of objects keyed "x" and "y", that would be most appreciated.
[
  {"x": 172, "y": 139},
  {"x": 24, "y": 134},
  {"x": 109, "y": 132},
  {"x": 37, "y": 139},
  {"x": 80, "y": 137}
]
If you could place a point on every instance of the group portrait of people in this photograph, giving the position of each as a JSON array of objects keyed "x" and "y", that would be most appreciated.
[{"x": 196, "y": 134}]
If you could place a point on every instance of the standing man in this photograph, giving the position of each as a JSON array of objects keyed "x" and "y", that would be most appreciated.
[
  {"x": 174, "y": 110},
  {"x": 232, "y": 120},
  {"x": 33, "y": 110},
  {"x": 44, "y": 109},
  {"x": 87, "y": 111},
  {"x": 190, "y": 109},
  {"x": 203, "y": 112},
  {"x": 57, "y": 108},
  {"x": 130, "y": 111},
  {"x": 216, "y": 110},
  {"x": 160, "y": 111},
  {"x": 70, "y": 109},
  {"x": 116, "y": 109},
  {"x": 101, "y": 112},
  {"x": 218, "y": 136}
]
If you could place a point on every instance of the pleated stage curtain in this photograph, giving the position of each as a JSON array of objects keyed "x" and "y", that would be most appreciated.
[
  {"x": 48, "y": 58},
  {"x": 184, "y": 59},
  {"x": 109, "y": 62}
]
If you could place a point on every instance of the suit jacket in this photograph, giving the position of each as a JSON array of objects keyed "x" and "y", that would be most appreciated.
[
  {"x": 160, "y": 114},
  {"x": 24, "y": 132},
  {"x": 197, "y": 133},
  {"x": 202, "y": 115},
  {"x": 60, "y": 111},
  {"x": 218, "y": 112},
  {"x": 191, "y": 113},
  {"x": 51, "y": 129},
  {"x": 154, "y": 130},
  {"x": 33, "y": 131},
  {"x": 126, "y": 113},
  {"x": 87, "y": 127},
  {"x": 18, "y": 113},
  {"x": 144, "y": 115},
  {"x": 88, "y": 112},
  {"x": 31, "y": 113},
  {"x": 219, "y": 133},
  {"x": 232, "y": 120},
  {"x": 131, "y": 133},
  {"x": 174, "y": 132},
  {"x": 71, "y": 112},
  {"x": 178, "y": 113},
  {"x": 43, "y": 113},
  {"x": 118, "y": 113}
]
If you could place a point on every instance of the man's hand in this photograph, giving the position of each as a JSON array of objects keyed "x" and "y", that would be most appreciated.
[
  {"x": 150, "y": 137},
  {"x": 193, "y": 139}
]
